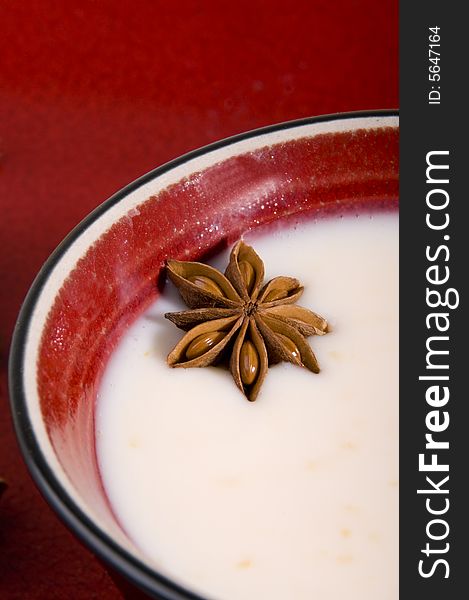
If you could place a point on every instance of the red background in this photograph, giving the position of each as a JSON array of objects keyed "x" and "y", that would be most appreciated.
[{"x": 94, "y": 94}]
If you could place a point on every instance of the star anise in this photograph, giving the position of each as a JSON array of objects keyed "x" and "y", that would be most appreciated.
[{"x": 235, "y": 315}]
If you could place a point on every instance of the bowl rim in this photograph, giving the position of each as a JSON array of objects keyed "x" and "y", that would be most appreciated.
[{"x": 100, "y": 543}]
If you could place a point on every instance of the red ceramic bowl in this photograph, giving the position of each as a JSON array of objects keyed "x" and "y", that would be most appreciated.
[{"x": 110, "y": 268}]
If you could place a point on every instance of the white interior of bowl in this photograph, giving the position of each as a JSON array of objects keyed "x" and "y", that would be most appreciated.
[{"x": 125, "y": 207}]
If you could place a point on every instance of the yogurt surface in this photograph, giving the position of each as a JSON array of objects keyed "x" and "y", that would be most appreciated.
[{"x": 294, "y": 496}]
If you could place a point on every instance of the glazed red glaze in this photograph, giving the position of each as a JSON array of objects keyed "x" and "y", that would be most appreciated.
[{"x": 117, "y": 278}]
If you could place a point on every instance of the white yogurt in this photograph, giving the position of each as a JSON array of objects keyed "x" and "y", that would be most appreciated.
[{"x": 294, "y": 496}]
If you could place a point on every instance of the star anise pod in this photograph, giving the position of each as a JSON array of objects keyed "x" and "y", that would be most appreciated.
[{"x": 235, "y": 315}]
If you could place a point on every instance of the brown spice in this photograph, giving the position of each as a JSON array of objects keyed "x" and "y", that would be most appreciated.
[{"x": 235, "y": 315}]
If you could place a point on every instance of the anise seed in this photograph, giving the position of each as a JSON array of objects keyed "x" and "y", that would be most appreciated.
[
  {"x": 206, "y": 284},
  {"x": 248, "y": 274},
  {"x": 291, "y": 346},
  {"x": 248, "y": 363},
  {"x": 275, "y": 294},
  {"x": 202, "y": 343}
]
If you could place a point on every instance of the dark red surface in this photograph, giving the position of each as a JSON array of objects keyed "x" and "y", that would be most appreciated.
[{"x": 92, "y": 95}]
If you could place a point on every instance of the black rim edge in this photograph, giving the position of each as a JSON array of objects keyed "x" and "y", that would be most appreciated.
[{"x": 92, "y": 536}]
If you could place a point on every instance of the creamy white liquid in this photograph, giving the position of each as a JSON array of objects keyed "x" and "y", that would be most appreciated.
[{"x": 294, "y": 496}]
